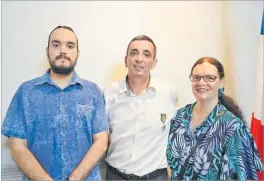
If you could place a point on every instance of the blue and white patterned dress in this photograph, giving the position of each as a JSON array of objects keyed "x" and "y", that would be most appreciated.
[{"x": 226, "y": 150}]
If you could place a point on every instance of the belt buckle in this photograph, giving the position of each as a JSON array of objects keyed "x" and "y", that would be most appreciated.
[{"x": 133, "y": 177}]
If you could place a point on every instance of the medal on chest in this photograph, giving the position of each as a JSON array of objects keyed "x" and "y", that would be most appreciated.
[{"x": 163, "y": 118}]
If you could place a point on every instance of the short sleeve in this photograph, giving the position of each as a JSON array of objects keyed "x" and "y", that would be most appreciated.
[
  {"x": 100, "y": 118},
  {"x": 241, "y": 160},
  {"x": 14, "y": 124}
]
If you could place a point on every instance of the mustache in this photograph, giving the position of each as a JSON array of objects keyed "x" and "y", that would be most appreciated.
[{"x": 62, "y": 56}]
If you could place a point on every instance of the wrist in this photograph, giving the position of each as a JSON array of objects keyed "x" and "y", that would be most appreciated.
[{"x": 75, "y": 176}]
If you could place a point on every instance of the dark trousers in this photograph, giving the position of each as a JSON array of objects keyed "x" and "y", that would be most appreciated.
[{"x": 113, "y": 174}]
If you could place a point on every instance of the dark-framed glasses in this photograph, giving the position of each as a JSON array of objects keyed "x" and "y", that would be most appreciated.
[{"x": 206, "y": 78}]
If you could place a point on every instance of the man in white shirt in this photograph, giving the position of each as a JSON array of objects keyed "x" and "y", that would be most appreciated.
[{"x": 139, "y": 108}]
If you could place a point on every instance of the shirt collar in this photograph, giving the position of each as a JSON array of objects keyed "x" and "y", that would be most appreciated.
[
  {"x": 217, "y": 110},
  {"x": 47, "y": 79},
  {"x": 124, "y": 86}
]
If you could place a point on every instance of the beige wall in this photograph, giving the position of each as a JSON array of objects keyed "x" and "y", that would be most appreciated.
[{"x": 183, "y": 31}]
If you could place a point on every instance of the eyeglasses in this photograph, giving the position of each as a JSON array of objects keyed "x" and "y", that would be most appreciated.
[{"x": 206, "y": 78}]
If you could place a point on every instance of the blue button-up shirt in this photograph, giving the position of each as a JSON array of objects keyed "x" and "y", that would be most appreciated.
[{"x": 58, "y": 124}]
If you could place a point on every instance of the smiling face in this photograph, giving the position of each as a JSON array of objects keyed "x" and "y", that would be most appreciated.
[
  {"x": 140, "y": 58},
  {"x": 206, "y": 82}
]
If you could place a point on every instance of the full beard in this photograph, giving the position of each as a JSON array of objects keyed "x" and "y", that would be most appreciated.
[{"x": 62, "y": 70}]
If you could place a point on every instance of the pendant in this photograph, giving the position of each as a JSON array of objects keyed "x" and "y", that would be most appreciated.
[
  {"x": 163, "y": 127},
  {"x": 163, "y": 118}
]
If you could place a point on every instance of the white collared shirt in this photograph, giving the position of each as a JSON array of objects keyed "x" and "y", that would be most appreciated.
[{"x": 138, "y": 143}]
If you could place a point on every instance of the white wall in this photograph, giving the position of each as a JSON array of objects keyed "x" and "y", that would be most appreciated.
[
  {"x": 242, "y": 24},
  {"x": 183, "y": 32}
]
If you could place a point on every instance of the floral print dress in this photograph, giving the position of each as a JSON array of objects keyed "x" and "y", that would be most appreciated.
[{"x": 225, "y": 150}]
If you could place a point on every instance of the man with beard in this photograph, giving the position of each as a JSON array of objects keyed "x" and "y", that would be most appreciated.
[{"x": 61, "y": 116}]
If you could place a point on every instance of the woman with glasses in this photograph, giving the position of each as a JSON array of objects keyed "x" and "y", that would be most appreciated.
[{"x": 209, "y": 139}]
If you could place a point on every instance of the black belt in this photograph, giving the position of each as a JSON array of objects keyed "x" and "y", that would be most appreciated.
[{"x": 148, "y": 176}]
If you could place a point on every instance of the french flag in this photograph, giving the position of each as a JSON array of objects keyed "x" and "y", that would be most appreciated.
[{"x": 257, "y": 121}]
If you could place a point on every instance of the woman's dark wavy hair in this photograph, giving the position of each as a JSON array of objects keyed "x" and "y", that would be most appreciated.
[{"x": 227, "y": 101}]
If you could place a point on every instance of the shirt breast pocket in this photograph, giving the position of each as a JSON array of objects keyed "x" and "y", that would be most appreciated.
[{"x": 84, "y": 116}]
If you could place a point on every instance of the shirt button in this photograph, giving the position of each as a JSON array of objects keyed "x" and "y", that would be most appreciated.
[
  {"x": 65, "y": 142},
  {"x": 63, "y": 108}
]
